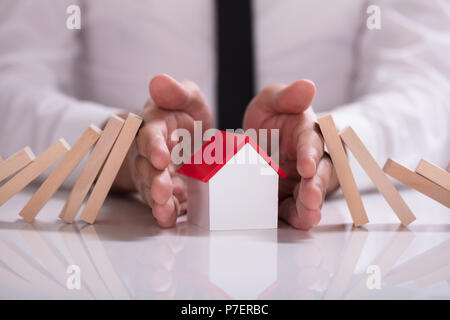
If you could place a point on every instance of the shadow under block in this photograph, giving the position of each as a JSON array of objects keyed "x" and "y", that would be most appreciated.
[
  {"x": 376, "y": 174},
  {"x": 91, "y": 168},
  {"x": 33, "y": 170},
  {"x": 343, "y": 171},
  {"x": 417, "y": 182},
  {"x": 16, "y": 162},
  {"x": 111, "y": 168},
  {"x": 434, "y": 173},
  {"x": 60, "y": 173}
]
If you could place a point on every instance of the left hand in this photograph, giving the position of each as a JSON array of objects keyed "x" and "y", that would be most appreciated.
[{"x": 310, "y": 173}]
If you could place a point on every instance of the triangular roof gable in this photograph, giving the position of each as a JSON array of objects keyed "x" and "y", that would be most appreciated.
[{"x": 204, "y": 171}]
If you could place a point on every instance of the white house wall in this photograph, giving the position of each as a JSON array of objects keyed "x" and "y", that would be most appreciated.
[
  {"x": 244, "y": 195},
  {"x": 198, "y": 202}
]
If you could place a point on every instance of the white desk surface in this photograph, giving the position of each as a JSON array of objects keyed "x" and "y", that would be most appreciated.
[{"x": 126, "y": 255}]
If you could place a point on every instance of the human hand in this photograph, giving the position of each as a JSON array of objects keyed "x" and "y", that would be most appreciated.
[
  {"x": 310, "y": 173},
  {"x": 172, "y": 105}
]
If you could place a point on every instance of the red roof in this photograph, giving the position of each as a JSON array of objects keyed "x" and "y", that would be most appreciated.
[{"x": 233, "y": 142}]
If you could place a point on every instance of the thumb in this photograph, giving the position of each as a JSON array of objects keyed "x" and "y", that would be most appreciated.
[
  {"x": 294, "y": 98},
  {"x": 168, "y": 93}
]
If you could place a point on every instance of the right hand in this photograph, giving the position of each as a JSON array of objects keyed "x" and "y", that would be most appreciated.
[{"x": 172, "y": 104}]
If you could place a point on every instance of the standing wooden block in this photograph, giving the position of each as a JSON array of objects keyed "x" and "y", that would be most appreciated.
[
  {"x": 434, "y": 173},
  {"x": 343, "y": 171},
  {"x": 111, "y": 168},
  {"x": 16, "y": 162},
  {"x": 91, "y": 169},
  {"x": 61, "y": 172},
  {"x": 32, "y": 171},
  {"x": 378, "y": 177},
  {"x": 416, "y": 181},
  {"x": 448, "y": 167}
]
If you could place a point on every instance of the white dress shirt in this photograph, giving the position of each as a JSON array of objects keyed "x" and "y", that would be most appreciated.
[{"x": 391, "y": 85}]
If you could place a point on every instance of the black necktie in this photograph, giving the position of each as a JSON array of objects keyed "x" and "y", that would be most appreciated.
[{"x": 235, "y": 61}]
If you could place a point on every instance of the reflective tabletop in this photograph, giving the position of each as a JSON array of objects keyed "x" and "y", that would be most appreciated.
[{"x": 125, "y": 255}]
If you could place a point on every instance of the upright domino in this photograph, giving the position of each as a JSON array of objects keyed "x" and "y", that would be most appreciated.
[
  {"x": 33, "y": 170},
  {"x": 16, "y": 162},
  {"x": 448, "y": 167},
  {"x": 416, "y": 181},
  {"x": 111, "y": 168},
  {"x": 378, "y": 177},
  {"x": 91, "y": 169},
  {"x": 343, "y": 171},
  {"x": 61, "y": 172},
  {"x": 434, "y": 173}
]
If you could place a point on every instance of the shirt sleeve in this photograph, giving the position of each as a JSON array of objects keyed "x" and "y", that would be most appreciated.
[
  {"x": 37, "y": 71},
  {"x": 401, "y": 103}
]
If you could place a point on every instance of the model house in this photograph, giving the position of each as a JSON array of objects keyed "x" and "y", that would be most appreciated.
[{"x": 233, "y": 184}]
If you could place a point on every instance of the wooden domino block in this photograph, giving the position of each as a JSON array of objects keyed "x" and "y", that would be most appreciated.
[
  {"x": 416, "y": 181},
  {"x": 91, "y": 169},
  {"x": 378, "y": 177},
  {"x": 343, "y": 171},
  {"x": 16, "y": 162},
  {"x": 434, "y": 173},
  {"x": 111, "y": 168},
  {"x": 448, "y": 167},
  {"x": 33, "y": 170},
  {"x": 60, "y": 173}
]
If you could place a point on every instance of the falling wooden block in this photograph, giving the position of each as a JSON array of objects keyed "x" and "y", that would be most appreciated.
[
  {"x": 434, "y": 173},
  {"x": 416, "y": 181},
  {"x": 111, "y": 168},
  {"x": 343, "y": 171},
  {"x": 33, "y": 170},
  {"x": 91, "y": 169},
  {"x": 16, "y": 162},
  {"x": 378, "y": 177},
  {"x": 60, "y": 173}
]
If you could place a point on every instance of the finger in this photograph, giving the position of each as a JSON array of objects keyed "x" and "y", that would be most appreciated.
[
  {"x": 312, "y": 191},
  {"x": 309, "y": 152},
  {"x": 262, "y": 105},
  {"x": 179, "y": 188},
  {"x": 303, "y": 221},
  {"x": 144, "y": 170},
  {"x": 145, "y": 192},
  {"x": 278, "y": 98},
  {"x": 161, "y": 188},
  {"x": 170, "y": 94},
  {"x": 157, "y": 184},
  {"x": 165, "y": 214},
  {"x": 183, "y": 208},
  {"x": 295, "y": 98},
  {"x": 151, "y": 143}
]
